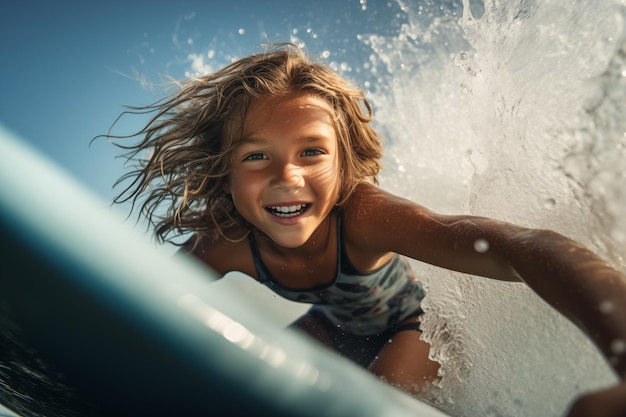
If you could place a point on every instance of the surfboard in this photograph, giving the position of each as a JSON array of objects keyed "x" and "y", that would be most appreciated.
[{"x": 95, "y": 320}]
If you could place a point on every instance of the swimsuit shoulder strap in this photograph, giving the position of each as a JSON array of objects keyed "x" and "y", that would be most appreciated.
[
  {"x": 346, "y": 267},
  {"x": 261, "y": 270}
]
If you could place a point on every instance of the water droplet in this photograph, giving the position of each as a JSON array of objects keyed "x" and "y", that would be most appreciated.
[
  {"x": 607, "y": 307},
  {"x": 481, "y": 246}
]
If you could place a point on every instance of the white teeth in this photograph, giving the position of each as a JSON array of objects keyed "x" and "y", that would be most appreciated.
[{"x": 287, "y": 211}]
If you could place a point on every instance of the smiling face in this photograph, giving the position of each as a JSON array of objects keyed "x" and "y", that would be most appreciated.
[{"x": 285, "y": 170}]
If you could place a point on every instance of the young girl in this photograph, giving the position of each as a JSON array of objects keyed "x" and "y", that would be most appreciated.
[{"x": 271, "y": 164}]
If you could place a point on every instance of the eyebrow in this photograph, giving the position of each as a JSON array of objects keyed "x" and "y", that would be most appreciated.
[
  {"x": 256, "y": 140},
  {"x": 249, "y": 139}
]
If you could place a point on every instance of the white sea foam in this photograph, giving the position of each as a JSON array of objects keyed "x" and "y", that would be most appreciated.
[{"x": 517, "y": 114}]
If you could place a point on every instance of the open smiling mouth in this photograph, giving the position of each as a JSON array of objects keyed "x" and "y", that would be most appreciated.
[{"x": 288, "y": 211}]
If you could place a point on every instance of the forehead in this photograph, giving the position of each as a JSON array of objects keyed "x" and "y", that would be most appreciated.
[{"x": 284, "y": 111}]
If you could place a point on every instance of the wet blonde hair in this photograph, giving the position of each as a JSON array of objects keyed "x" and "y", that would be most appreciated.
[{"x": 182, "y": 161}]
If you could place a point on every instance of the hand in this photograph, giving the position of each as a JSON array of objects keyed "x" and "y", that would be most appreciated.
[{"x": 609, "y": 402}]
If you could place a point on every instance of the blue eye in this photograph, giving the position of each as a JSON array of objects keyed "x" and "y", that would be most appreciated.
[
  {"x": 313, "y": 152},
  {"x": 255, "y": 157}
]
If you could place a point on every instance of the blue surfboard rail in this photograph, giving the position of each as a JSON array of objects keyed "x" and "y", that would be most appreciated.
[{"x": 95, "y": 320}]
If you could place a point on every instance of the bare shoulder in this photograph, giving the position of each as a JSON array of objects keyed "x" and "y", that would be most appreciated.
[
  {"x": 376, "y": 223},
  {"x": 223, "y": 257},
  {"x": 373, "y": 209}
]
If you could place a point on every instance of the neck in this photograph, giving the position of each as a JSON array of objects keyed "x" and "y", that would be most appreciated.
[{"x": 316, "y": 245}]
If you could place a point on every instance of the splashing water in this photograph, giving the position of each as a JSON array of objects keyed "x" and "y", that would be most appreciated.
[{"x": 512, "y": 110}]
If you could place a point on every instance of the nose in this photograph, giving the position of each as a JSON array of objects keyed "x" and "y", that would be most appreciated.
[{"x": 288, "y": 178}]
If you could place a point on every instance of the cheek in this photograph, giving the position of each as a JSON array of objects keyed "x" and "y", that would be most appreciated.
[
  {"x": 338, "y": 172},
  {"x": 240, "y": 198},
  {"x": 330, "y": 177},
  {"x": 244, "y": 188}
]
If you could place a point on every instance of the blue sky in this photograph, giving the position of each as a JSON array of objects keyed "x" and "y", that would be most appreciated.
[{"x": 69, "y": 67}]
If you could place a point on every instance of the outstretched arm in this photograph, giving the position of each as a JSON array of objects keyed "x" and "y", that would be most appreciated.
[{"x": 571, "y": 278}]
